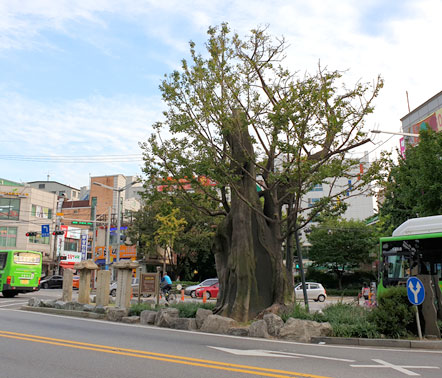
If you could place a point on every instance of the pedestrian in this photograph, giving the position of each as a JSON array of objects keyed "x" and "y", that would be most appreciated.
[{"x": 365, "y": 292}]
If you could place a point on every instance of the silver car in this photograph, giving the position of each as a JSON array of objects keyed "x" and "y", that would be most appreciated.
[
  {"x": 315, "y": 292},
  {"x": 113, "y": 287},
  {"x": 190, "y": 290}
]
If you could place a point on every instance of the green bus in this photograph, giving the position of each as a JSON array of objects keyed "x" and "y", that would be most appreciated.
[
  {"x": 20, "y": 272},
  {"x": 414, "y": 248}
]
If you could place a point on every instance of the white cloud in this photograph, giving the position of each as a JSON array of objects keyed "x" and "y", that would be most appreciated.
[{"x": 395, "y": 39}]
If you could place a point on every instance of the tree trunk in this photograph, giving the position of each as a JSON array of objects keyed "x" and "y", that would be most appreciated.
[{"x": 248, "y": 251}]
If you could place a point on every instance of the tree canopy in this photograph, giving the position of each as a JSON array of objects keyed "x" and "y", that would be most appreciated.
[
  {"x": 341, "y": 245},
  {"x": 236, "y": 119},
  {"x": 414, "y": 185}
]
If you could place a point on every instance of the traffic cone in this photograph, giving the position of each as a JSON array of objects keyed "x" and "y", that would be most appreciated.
[
  {"x": 182, "y": 295},
  {"x": 204, "y": 297}
]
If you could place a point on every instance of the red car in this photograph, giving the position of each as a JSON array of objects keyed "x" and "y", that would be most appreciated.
[{"x": 211, "y": 291}]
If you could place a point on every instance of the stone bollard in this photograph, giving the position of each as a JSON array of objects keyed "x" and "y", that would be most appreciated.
[
  {"x": 124, "y": 282},
  {"x": 68, "y": 277},
  {"x": 85, "y": 268},
  {"x": 103, "y": 283}
]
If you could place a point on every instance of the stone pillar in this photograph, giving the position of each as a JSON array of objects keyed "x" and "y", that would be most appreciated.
[
  {"x": 124, "y": 282},
  {"x": 68, "y": 277},
  {"x": 85, "y": 268},
  {"x": 103, "y": 283}
]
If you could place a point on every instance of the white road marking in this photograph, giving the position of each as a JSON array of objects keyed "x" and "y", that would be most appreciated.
[
  {"x": 12, "y": 304},
  {"x": 400, "y": 368},
  {"x": 270, "y": 353}
]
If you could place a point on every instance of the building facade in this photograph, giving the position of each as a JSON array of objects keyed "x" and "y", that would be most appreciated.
[
  {"x": 426, "y": 116},
  {"x": 55, "y": 187},
  {"x": 26, "y": 209}
]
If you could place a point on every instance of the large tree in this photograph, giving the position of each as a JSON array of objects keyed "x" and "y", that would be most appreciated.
[
  {"x": 341, "y": 245},
  {"x": 414, "y": 185},
  {"x": 237, "y": 120}
]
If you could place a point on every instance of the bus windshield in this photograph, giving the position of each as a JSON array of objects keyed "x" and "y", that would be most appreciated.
[
  {"x": 410, "y": 257},
  {"x": 26, "y": 258}
]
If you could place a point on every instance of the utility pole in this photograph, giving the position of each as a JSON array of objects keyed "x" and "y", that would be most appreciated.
[
  {"x": 118, "y": 223},
  {"x": 108, "y": 237}
]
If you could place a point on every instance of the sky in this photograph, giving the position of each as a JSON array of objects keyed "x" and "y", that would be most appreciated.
[{"x": 79, "y": 78}]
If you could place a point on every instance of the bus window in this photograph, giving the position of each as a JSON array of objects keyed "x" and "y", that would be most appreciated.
[
  {"x": 27, "y": 258},
  {"x": 398, "y": 267},
  {"x": 3, "y": 258}
]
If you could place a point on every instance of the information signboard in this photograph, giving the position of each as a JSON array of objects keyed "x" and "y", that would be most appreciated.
[{"x": 149, "y": 283}]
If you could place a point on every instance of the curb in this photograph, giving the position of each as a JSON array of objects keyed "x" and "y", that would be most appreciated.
[
  {"x": 59, "y": 311},
  {"x": 389, "y": 343}
]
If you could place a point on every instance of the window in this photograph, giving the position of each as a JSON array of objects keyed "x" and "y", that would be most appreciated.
[
  {"x": 39, "y": 240},
  {"x": 8, "y": 236},
  {"x": 41, "y": 186},
  {"x": 312, "y": 201},
  {"x": 9, "y": 208},
  {"x": 314, "y": 286},
  {"x": 41, "y": 212},
  {"x": 316, "y": 188},
  {"x": 3, "y": 259}
]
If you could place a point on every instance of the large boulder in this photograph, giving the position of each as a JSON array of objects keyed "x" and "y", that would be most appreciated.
[
  {"x": 258, "y": 329},
  {"x": 50, "y": 303},
  {"x": 130, "y": 319},
  {"x": 188, "y": 324},
  {"x": 148, "y": 317},
  {"x": 274, "y": 323},
  {"x": 304, "y": 330},
  {"x": 217, "y": 324},
  {"x": 201, "y": 315},
  {"x": 75, "y": 306},
  {"x": 34, "y": 302},
  {"x": 60, "y": 304},
  {"x": 238, "y": 331},
  {"x": 115, "y": 314},
  {"x": 165, "y": 316}
]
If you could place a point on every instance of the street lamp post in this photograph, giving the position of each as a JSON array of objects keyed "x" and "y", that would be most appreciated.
[
  {"x": 118, "y": 190},
  {"x": 394, "y": 133}
]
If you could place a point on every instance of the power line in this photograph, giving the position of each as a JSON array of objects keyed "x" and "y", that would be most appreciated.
[{"x": 84, "y": 159}]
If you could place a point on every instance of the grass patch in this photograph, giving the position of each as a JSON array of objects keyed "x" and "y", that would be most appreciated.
[
  {"x": 345, "y": 319},
  {"x": 189, "y": 309}
]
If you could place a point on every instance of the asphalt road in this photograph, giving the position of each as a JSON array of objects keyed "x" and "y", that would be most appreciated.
[{"x": 40, "y": 345}]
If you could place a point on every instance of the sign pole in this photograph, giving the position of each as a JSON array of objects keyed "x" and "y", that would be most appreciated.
[{"x": 418, "y": 323}]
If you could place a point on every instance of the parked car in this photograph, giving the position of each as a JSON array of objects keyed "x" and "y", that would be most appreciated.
[
  {"x": 113, "y": 287},
  {"x": 190, "y": 290},
  {"x": 76, "y": 282},
  {"x": 315, "y": 291},
  {"x": 211, "y": 291},
  {"x": 51, "y": 282}
]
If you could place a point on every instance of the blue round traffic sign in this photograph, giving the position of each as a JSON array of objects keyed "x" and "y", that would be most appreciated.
[{"x": 415, "y": 291}]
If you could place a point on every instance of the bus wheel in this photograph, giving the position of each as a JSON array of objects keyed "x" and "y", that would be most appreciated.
[{"x": 9, "y": 294}]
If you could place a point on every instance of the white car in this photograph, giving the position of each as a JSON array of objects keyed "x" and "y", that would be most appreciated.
[
  {"x": 190, "y": 290},
  {"x": 315, "y": 291}
]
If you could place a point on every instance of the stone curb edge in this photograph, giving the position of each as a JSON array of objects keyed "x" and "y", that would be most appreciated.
[
  {"x": 390, "y": 343},
  {"x": 59, "y": 311}
]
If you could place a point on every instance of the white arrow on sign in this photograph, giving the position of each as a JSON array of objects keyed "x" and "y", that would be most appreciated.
[
  {"x": 270, "y": 353},
  {"x": 415, "y": 290}
]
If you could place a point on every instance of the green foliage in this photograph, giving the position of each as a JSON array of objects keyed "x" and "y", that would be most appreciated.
[
  {"x": 341, "y": 245},
  {"x": 414, "y": 185},
  {"x": 351, "y": 281},
  {"x": 136, "y": 309},
  {"x": 394, "y": 316},
  {"x": 343, "y": 293},
  {"x": 346, "y": 320},
  {"x": 189, "y": 309}
]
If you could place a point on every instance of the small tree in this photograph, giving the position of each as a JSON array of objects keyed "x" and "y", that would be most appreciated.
[
  {"x": 414, "y": 185},
  {"x": 169, "y": 228},
  {"x": 341, "y": 245}
]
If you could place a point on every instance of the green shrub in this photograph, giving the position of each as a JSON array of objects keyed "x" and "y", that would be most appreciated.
[
  {"x": 350, "y": 321},
  {"x": 346, "y": 320},
  {"x": 189, "y": 309},
  {"x": 135, "y": 309},
  {"x": 394, "y": 316}
]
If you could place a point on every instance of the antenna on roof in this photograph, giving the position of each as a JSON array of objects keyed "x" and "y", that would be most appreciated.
[{"x": 408, "y": 102}]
